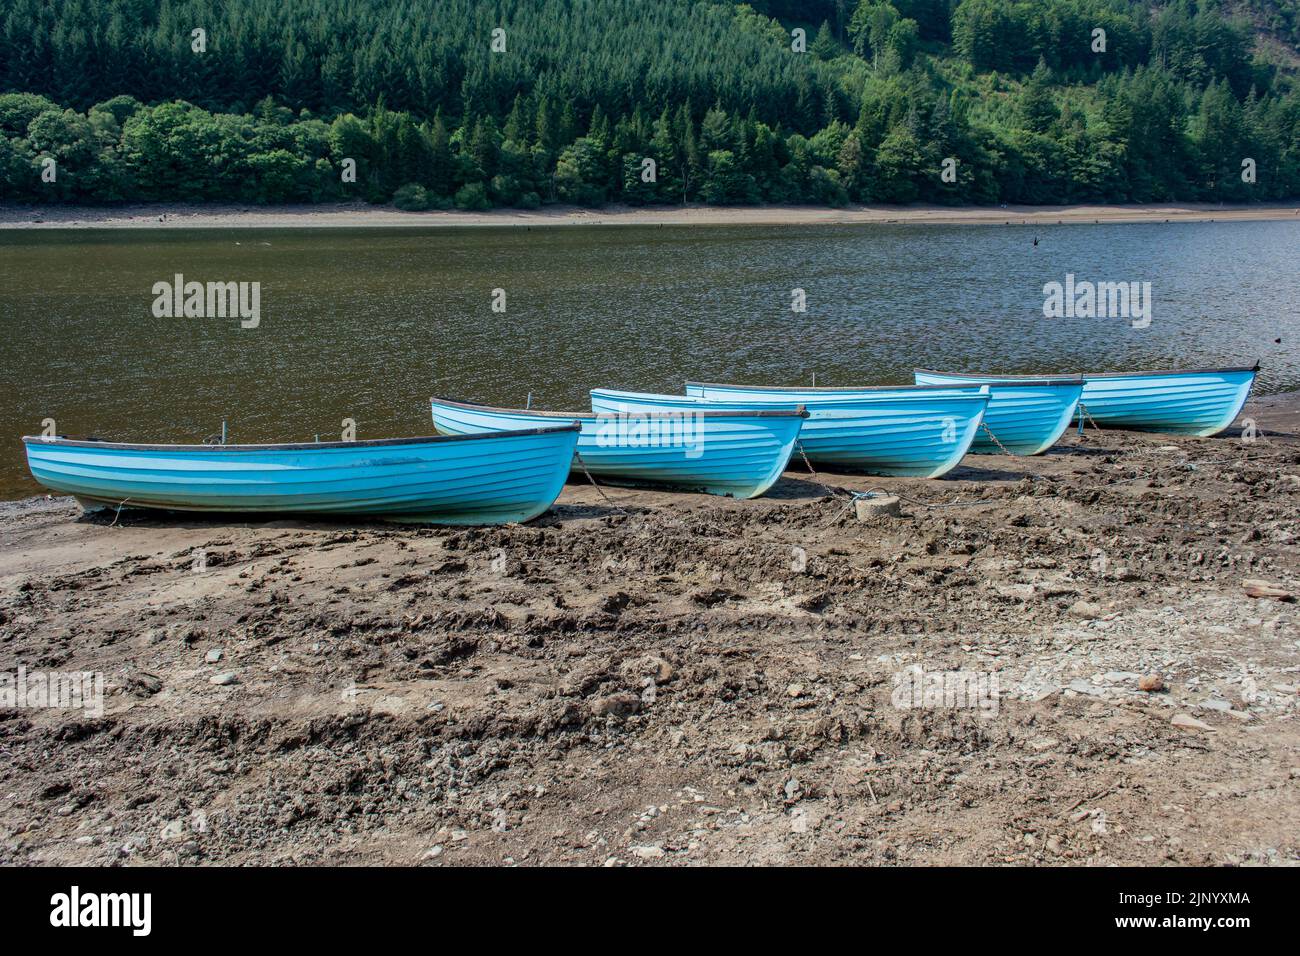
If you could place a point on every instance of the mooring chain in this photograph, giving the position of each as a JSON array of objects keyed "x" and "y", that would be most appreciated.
[
  {"x": 856, "y": 496},
  {"x": 623, "y": 510},
  {"x": 1084, "y": 413},
  {"x": 804, "y": 455},
  {"x": 988, "y": 431},
  {"x": 852, "y": 502},
  {"x": 833, "y": 492},
  {"x": 601, "y": 491},
  {"x": 852, "y": 497}
]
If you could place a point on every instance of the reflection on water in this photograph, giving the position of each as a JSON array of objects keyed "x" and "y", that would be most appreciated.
[{"x": 366, "y": 324}]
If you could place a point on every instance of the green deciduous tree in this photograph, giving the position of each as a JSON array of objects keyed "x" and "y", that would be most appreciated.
[{"x": 1017, "y": 94}]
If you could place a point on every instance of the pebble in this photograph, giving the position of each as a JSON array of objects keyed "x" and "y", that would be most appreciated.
[
  {"x": 213, "y": 655},
  {"x": 647, "y": 852},
  {"x": 1085, "y": 610},
  {"x": 1151, "y": 683},
  {"x": 149, "y": 683},
  {"x": 173, "y": 830},
  {"x": 1257, "y": 588},
  {"x": 224, "y": 680},
  {"x": 1188, "y": 722},
  {"x": 1016, "y": 592},
  {"x": 663, "y": 670},
  {"x": 616, "y": 705},
  {"x": 1119, "y": 677},
  {"x": 1081, "y": 686}
]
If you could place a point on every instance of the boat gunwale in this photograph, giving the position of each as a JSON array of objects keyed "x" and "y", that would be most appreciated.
[
  {"x": 1086, "y": 376},
  {"x": 1061, "y": 381},
  {"x": 817, "y": 388},
  {"x": 60, "y": 442},
  {"x": 798, "y": 411}
]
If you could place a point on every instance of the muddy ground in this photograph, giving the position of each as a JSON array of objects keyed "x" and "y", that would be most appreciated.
[{"x": 654, "y": 678}]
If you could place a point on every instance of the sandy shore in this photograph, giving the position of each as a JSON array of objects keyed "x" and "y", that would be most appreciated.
[
  {"x": 654, "y": 678},
  {"x": 355, "y": 215}
]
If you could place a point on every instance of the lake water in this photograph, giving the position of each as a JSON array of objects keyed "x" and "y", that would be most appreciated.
[{"x": 367, "y": 324}]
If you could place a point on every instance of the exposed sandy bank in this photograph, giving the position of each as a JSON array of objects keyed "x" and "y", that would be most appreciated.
[
  {"x": 356, "y": 215},
  {"x": 678, "y": 679}
]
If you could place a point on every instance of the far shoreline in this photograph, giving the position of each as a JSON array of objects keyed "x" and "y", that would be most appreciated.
[{"x": 360, "y": 215}]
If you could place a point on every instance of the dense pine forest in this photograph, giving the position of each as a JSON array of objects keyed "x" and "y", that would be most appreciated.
[{"x": 475, "y": 104}]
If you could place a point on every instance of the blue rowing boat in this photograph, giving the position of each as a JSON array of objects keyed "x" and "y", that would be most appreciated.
[
  {"x": 1199, "y": 402},
  {"x": 739, "y": 454},
  {"x": 1025, "y": 417},
  {"x": 470, "y": 479},
  {"x": 905, "y": 431}
]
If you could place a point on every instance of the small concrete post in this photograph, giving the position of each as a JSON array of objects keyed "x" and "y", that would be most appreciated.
[{"x": 882, "y": 506}]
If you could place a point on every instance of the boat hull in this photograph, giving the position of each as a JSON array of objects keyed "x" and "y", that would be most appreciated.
[
  {"x": 1200, "y": 402},
  {"x": 1026, "y": 417},
  {"x": 740, "y": 456},
  {"x": 912, "y": 433},
  {"x": 491, "y": 479}
]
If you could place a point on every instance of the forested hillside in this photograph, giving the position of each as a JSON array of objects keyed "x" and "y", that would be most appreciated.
[{"x": 649, "y": 101}]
